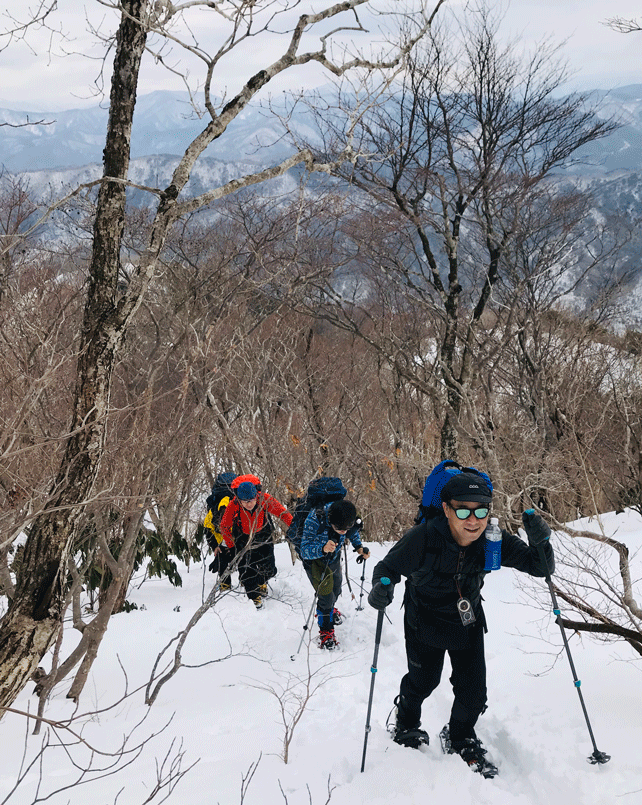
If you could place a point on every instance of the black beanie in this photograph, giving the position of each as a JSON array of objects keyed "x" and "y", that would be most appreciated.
[{"x": 342, "y": 514}]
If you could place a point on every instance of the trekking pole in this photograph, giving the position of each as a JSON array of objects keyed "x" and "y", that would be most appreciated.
[
  {"x": 345, "y": 556},
  {"x": 385, "y": 581},
  {"x": 363, "y": 578},
  {"x": 306, "y": 626},
  {"x": 597, "y": 756}
]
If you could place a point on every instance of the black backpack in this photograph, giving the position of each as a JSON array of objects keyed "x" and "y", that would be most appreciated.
[
  {"x": 222, "y": 488},
  {"x": 320, "y": 491}
]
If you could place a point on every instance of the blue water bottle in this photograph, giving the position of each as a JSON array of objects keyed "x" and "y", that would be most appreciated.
[{"x": 493, "y": 547}]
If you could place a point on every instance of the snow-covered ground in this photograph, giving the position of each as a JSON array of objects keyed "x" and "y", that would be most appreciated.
[{"x": 226, "y": 713}]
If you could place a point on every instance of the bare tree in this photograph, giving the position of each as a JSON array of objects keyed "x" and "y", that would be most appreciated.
[
  {"x": 623, "y": 459},
  {"x": 17, "y": 29},
  {"x": 293, "y": 693},
  {"x": 160, "y": 674},
  {"x": 148, "y": 470},
  {"x": 594, "y": 577},
  {"x": 33, "y": 619},
  {"x": 451, "y": 161},
  {"x": 36, "y": 364},
  {"x": 287, "y": 394},
  {"x": 526, "y": 405},
  {"x": 89, "y": 762},
  {"x": 17, "y": 208}
]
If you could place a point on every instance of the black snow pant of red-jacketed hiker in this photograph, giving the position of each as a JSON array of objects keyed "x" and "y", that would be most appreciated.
[{"x": 257, "y": 564}]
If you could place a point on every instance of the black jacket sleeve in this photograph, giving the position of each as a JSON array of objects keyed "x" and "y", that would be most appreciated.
[
  {"x": 527, "y": 558},
  {"x": 404, "y": 557}
]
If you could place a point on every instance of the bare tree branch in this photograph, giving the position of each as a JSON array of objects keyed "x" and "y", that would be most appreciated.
[{"x": 623, "y": 25}]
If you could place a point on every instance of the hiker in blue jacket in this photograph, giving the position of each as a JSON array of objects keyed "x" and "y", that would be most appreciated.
[{"x": 324, "y": 532}]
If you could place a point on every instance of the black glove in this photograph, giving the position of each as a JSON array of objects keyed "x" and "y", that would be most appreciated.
[
  {"x": 381, "y": 595},
  {"x": 536, "y": 527},
  {"x": 362, "y": 558}
]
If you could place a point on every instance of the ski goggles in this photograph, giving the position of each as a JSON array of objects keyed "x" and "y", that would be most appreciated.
[{"x": 463, "y": 513}]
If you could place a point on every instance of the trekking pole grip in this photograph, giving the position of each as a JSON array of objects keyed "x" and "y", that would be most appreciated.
[
  {"x": 385, "y": 581},
  {"x": 363, "y": 579}
]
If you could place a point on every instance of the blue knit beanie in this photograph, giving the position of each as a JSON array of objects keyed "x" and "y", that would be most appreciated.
[{"x": 246, "y": 491}]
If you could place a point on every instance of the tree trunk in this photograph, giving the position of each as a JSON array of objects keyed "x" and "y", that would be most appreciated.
[{"x": 35, "y": 614}]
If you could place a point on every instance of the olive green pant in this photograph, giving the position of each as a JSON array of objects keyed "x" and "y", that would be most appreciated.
[{"x": 326, "y": 578}]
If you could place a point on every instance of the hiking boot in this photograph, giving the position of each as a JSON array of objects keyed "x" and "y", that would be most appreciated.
[
  {"x": 402, "y": 734},
  {"x": 258, "y": 602},
  {"x": 225, "y": 586},
  {"x": 337, "y": 617},
  {"x": 327, "y": 639},
  {"x": 471, "y": 751},
  {"x": 412, "y": 738}
]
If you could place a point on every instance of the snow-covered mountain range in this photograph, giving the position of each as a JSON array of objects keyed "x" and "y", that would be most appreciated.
[
  {"x": 58, "y": 151},
  {"x": 165, "y": 123}
]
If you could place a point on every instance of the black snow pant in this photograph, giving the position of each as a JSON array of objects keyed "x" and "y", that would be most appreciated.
[
  {"x": 326, "y": 578},
  {"x": 256, "y": 566},
  {"x": 223, "y": 559},
  {"x": 468, "y": 679}
]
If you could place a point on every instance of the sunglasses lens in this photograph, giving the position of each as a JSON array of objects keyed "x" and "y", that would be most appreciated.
[{"x": 464, "y": 514}]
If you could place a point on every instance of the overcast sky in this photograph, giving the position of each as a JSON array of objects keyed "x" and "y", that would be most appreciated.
[{"x": 32, "y": 80}]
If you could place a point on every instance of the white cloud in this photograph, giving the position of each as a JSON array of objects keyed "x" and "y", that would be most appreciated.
[
  {"x": 600, "y": 57},
  {"x": 30, "y": 79}
]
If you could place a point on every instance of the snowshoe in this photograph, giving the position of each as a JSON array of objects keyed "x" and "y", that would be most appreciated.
[
  {"x": 405, "y": 736},
  {"x": 225, "y": 586},
  {"x": 327, "y": 639},
  {"x": 337, "y": 617},
  {"x": 471, "y": 751},
  {"x": 412, "y": 738},
  {"x": 258, "y": 602}
]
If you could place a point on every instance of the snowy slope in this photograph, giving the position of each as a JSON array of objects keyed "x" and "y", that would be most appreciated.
[{"x": 227, "y": 716}]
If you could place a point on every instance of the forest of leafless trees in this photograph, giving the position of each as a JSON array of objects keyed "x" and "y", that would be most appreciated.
[{"x": 407, "y": 308}]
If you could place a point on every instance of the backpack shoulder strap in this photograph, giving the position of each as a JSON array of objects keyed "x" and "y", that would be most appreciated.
[{"x": 430, "y": 544}]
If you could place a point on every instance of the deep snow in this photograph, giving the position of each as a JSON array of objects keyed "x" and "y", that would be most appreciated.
[{"x": 226, "y": 714}]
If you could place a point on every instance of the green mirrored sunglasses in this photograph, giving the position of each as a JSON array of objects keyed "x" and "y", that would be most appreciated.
[{"x": 462, "y": 513}]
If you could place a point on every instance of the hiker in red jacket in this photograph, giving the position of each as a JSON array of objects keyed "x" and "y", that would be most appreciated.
[{"x": 247, "y": 527}]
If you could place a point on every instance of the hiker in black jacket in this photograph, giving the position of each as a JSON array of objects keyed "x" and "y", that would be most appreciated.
[{"x": 443, "y": 562}]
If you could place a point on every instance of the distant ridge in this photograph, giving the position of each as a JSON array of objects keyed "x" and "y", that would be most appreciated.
[{"x": 165, "y": 123}]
